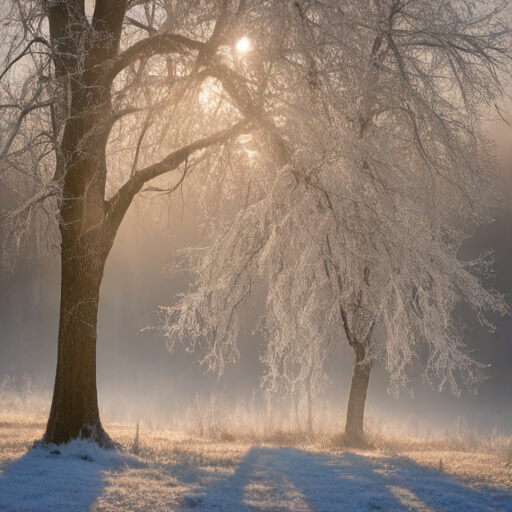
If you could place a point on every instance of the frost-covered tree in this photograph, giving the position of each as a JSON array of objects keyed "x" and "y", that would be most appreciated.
[
  {"x": 354, "y": 229},
  {"x": 98, "y": 99}
]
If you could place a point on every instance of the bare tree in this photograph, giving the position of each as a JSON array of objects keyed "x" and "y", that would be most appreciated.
[
  {"x": 387, "y": 170},
  {"x": 94, "y": 106}
]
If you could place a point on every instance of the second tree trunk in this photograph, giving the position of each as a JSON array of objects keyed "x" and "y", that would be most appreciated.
[{"x": 354, "y": 429}]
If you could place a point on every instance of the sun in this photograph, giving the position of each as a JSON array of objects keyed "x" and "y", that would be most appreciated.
[{"x": 243, "y": 45}]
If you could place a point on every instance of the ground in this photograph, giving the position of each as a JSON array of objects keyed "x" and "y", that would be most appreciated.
[{"x": 177, "y": 472}]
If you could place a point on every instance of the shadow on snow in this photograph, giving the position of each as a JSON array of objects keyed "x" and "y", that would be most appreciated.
[
  {"x": 287, "y": 479},
  {"x": 63, "y": 479},
  {"x": 268, "y": 479}
]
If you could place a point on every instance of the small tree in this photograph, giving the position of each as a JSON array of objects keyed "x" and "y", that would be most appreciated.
[{"x": 387, "y": 171}]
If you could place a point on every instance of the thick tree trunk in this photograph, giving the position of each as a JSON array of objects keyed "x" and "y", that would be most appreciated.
[
  {"x": 74, "y": 412},
  {"x": 86, "y": 236},
  {"x": 354, "y": 431},
  {"x": 86, "y": 60}
]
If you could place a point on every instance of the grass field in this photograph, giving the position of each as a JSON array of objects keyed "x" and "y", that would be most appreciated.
[
  {"x": 171, "y": 468},
  {"x": 218, "y": 444}
]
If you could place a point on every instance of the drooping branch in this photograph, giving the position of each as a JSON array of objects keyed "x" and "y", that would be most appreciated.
[{"x": 120, "y": 202}]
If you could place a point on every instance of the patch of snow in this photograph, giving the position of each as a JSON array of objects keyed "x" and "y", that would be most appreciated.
[{"x": 66, "y": 478}]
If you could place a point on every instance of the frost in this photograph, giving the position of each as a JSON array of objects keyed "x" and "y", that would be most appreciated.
[{"x": 349, "y": 216}]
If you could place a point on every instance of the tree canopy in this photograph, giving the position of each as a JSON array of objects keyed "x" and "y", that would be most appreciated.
[{"x": 354, "y": 233}]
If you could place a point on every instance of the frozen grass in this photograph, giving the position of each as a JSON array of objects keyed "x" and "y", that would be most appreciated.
[
  {"x": 177, "y": 472},
  {"x": 230, "y": 453},
  {"x": 238, "y": 420},
  {"x": 20, "y": 402},
  {"x": 400, "y": 436},
  {"x": 169, "y": 467}
]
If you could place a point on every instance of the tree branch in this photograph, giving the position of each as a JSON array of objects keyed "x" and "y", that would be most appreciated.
[
  {"x": 153, "y": 45},
  {"x": 107, "y": 20},
  {"x": 357, "y": 346},
  {"x": 120, "y": 202},
  {"x": 17, "y": 125},
  {"x": 210, "y": 47},
  {"x": 235, "y": 86},
  {"x": 23, "y": 53},
  {"x": 138, "y": 24}
]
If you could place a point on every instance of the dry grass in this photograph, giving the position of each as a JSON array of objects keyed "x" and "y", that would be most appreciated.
[
  {"x": 399, "y": 437},
  {"x": 21, "y": 403},
  {"x": 16, "y": 439},
  {"x": 224, "y": 420},
  {"x": 238, "y": 420},
  {"x": 476, "y": 469},
  {"x": 214, "y": 434},
  {"x": 173, "y": 465},
  {"x": 169, "y": 467}
]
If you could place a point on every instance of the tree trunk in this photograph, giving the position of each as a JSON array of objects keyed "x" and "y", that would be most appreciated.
[
  {"x": 74, "y": 412},
  {"x": 354, "y": 431},
  {"x": 86, "y": 235},
  {"x": 84, "y": 52}
]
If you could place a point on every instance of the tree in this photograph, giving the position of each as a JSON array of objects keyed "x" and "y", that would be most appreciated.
[
  {"x": 388, "y": 169},
  {"x": 94, "y": 106}
]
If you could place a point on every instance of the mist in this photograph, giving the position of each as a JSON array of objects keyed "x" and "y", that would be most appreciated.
[{"x": 140, "y": 379}]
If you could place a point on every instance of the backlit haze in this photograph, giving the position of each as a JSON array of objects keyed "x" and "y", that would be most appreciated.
[{"x": 139, "y": 379}]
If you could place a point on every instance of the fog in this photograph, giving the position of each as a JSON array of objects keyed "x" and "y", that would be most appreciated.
[{"x": 140, "y": 379}]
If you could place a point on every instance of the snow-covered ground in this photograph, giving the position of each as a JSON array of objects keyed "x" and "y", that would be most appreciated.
[
  {"x": 183, "y": 473},
  {"x": 281, "y": 479},
  {"x": 65, "y": 479}
]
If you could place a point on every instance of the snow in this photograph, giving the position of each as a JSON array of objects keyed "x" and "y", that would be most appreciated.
[
  {"x": 287, "y": 479},
  {"x": 66, "y": 478},
  {"x": 266, "y": 479}
]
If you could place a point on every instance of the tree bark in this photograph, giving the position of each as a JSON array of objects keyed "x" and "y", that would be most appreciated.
[
  {"x": 74, "y": 412},
  {"x": 354, "y": 429}
]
